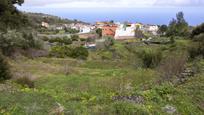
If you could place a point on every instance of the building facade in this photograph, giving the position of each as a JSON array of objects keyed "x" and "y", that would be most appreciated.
[
  {"x": 125, "y": 31},
  {"x": 109, "y": 30}
]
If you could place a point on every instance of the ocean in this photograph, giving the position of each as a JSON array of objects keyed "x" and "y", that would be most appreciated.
[{"x": 193, "y": 15}]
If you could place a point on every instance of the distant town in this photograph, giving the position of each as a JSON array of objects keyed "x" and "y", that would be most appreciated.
[
  {"x": 100, "y": 30},
  {"x": 117, "y": 30}
]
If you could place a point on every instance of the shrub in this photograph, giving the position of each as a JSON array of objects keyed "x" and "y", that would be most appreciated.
[
  {"x": 25, "y": 81},
  {"x": 195, "y": 51},
  {"x": 66, "y": 41},
  {"x": 172, "y": 66},
  {"x": 105, "y": 43},
  {"x": 61, "y": 51},
  {"x": 61, "y": 41},
  {"x": 150, "y": 58},
  {"x": 198, "y": 30},
  {"x": 125, "y": 108},
  {"x": 66, "y": 51},
  {"x": 109, "y": 41},
  {"x": 71, "y": 31},
  {"x": 13, "y": 39},
  {"x": 4, "y": 69},
  {"x": 74, "y": 37},
  {"x": 197, "y": 48},
  {"x": 45, "y": 38},
  {"x": 80, "y": 52}
]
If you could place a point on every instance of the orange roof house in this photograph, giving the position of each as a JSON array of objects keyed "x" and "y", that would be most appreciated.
[{"x": 109, "y": 30}]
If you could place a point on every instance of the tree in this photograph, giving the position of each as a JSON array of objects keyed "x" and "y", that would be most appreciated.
[
  {"x": 163, "y": 29},
  {"x": 112, "y": 21},
  {"x": 10, "y": 17},
  {"x": 12, "y": 40},
  {"x": 4, "y": 69},
  {"x": 198, "y": 30},
  {"x": 178, "y": 26},
  {"x": 99, "y": 32},
  {"x": 172, "y": 28},
  {"x": 197, "y": 48},
  {"x": 19, "y": 2}
]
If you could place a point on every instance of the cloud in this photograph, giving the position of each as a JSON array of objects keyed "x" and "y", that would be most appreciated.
[
  {"x": 180, "y": 2},
  {"x": 110, "y": 3}
]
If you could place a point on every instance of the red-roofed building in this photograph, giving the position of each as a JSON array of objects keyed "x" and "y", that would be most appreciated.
[{"x": 109, "y": 30}]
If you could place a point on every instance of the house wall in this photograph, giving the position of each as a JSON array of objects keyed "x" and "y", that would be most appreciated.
[
  {"x": 44, "y": 24},
  {"x": 125, "y": 31},
  {"x": 85, "y": 29}
]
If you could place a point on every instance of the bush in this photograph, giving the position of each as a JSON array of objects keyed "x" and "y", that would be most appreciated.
[
  {"x": 71, "y": 31},
  {"x": 198, "y": 30},
  {"x": 25, "y": 81},
  {"x": 4, "y": 69},
  {"x": 66, "y": 41},
  {"x": 150, "y": 58},
  {"x": 17, "y": 40},
  {"x": 125, "y": 108},
  {"x": 74, "y": 37},
  {"x": 172, "y": 66},
  {"x": 61, "y": 41},
  {"x": 45, "y": 38},
  {"x": 80, "y": 52},
  {"x": 105, "y": 43},
  {"x": 66, "y": 51},
  {"x": 196, "y": 50},
  {"x": 61, "y": 51},
  {"x": 109, "y": 42}
]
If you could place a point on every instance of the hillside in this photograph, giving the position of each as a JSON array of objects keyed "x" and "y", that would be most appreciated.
[
  {"x": 37, "y": 18},
  {"x": 103, "y": 84},
  {"x": 64, "y": 74}
]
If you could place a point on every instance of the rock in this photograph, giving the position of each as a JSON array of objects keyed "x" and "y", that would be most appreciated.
[
  {"x": 169, "y": 109},
  {"x": 58, "y": 110}
]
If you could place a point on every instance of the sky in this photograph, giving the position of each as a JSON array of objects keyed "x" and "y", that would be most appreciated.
[{"x": 119, "y": 10}]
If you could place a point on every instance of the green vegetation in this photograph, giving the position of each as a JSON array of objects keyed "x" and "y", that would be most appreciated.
[
  {"x": 12, "y": 40},
  {"x": 120, "y": 78},
  {"x": 4, "y": 69},
  {"x": 178, "y": 26},
  {"x": 71, "y": 31},
  {"x": 61, "y": 41},
  {"x": 99, "y": 32},
  {"x": 197, "y": 48},
  {"x": 150, "y": 57},
  {"x": 68, "y": 51},
  {"x": 37, "y": 18},
  {"x": 69, "y": 86},
  {"x": 163, "y": 29},
  {"x": 10, "y": 17}
]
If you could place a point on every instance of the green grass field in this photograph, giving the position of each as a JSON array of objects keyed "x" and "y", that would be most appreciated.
[{"x": 77, "y": 87}]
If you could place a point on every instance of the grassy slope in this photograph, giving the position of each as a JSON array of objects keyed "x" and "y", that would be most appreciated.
[{"x": 90, "y": 86}]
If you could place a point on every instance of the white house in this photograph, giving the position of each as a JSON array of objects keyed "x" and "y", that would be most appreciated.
[
  {"x": 151, "y": 29},
  {"x": 45, "y": 24},
  {"x": 124, "y": 31},
  {"x": 85, "y": 29},
  {"x": 59, "y": 27}
]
